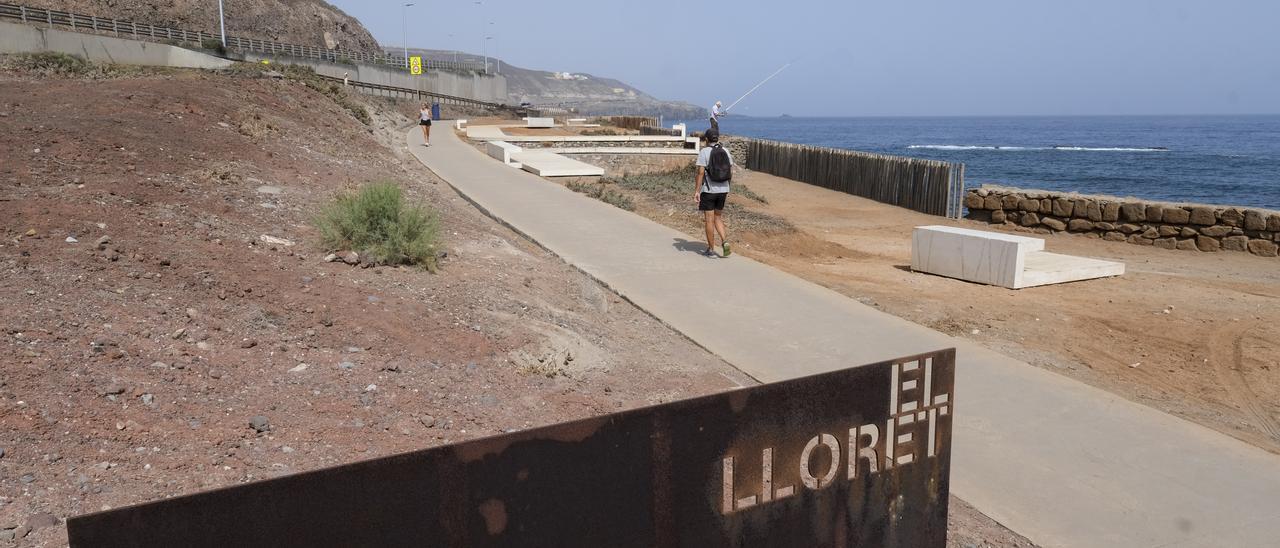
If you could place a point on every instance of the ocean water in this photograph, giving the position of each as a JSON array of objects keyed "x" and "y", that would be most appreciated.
[{"x": 1228, "y": 160}]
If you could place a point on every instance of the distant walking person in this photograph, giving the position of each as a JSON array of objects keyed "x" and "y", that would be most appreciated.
[
  {"x": 715, "y": 170},
  {"x": 424, "y": 120},
  {"x": 715, "y": 116}
]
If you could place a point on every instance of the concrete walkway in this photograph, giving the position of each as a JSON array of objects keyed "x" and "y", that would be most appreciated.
[{"x": 1058, "y": 461}]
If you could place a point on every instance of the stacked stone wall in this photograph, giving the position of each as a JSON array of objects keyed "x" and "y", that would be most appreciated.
[{"x": 1204, "y": 228}]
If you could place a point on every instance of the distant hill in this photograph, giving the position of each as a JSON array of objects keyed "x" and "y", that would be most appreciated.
[
  {"x": 304, "y": 22},
  {"x": 586, "y": 93}
]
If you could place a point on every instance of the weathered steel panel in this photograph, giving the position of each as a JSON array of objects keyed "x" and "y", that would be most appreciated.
[{"x": 858, "y": 457}]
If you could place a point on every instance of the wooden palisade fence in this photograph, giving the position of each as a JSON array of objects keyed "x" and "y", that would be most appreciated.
[{"x": 927, "y": 186}]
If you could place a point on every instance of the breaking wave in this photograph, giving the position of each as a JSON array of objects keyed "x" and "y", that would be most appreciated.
[{"x": 1061, "y": 147}]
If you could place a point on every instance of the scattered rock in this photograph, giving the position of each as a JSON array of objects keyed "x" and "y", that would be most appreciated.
[
  {"x": 299, "y": 368},
  {"x": 72, "y": 240},
  {"x": 148, "y": 399},
  {"x": 31, "y": 233},
  {"x": 248, "y": 343},
  {"x": 272, "y": 240},
  {"x": 331, "y": 258},
  {"x": 349, "y": 257},
  {"x": 259, "y": 423},
  {"x": 159, "y": 365},
  {"x": 178, "y": 334},
  {"x": 42, "y": 520},
  {"x": 27, "y": 478},
  {"x": 111, "y": 389},
  {"x": 101, "y": 243},
  {"x": 346, "y": 366}
]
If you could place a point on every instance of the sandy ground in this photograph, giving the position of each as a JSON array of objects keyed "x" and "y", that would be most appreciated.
[{"x": 1192, "y": 334}]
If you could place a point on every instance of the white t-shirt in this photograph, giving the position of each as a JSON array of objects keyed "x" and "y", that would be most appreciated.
[
  {"x": 715, "y": 110},
  {"x": 709, "y": 186}
]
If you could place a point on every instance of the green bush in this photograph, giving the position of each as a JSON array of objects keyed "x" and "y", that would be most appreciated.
[
  {"x": 604, "y": 194},
  {"x": 678, "y": 181},
  {"x": 377, "y": 223},
  {"x": 213, "y": 44},
  {"x": 54, "y": 63}
]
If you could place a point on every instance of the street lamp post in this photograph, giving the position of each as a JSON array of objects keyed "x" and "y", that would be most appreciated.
[
  {"x": 404, "y": 21},
  {"x": 222, "y": 25},
  {"x": 486, "y": 53},
  {"x": 480, "y": 5}
]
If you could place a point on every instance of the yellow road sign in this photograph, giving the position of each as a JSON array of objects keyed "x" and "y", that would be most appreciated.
[{"x": 415, "y": 65}]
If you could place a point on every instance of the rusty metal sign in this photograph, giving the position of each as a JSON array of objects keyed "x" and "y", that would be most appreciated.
[{"x": 858, "y": 457}]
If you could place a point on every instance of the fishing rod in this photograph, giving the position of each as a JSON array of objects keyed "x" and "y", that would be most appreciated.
[{"x": 762, "y": 82}]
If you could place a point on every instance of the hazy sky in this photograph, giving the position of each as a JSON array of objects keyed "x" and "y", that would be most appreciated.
[{"x": 884, "y": 57}]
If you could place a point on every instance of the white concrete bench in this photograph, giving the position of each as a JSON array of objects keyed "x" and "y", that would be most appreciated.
[
  {"x": 500, "y": 150},
  {"x": 994, "y": 258},
  {"x": 683, "y": 129},
  {"x": 457, "y": 124},
  {"x": 540, "y": 122},
  {"x": 575, "y": 121}
]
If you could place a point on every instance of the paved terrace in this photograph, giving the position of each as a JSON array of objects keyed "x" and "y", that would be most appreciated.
[{"x": 1058, "y": 461}]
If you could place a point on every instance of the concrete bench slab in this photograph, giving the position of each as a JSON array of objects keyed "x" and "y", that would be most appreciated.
[
  {"x": 503, "y": 151},
  {"x": 540, "y": 122},
  {"x": 1003, "y": 260},
  {"x": 458, "y": 124},
  {"x": 549, "y": 164}
]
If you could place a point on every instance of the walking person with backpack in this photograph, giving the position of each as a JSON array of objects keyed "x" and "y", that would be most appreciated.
[{"x": 715, "y": 170}]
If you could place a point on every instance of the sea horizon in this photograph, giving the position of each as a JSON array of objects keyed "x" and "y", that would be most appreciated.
[{"x": 1228, "y": 160}]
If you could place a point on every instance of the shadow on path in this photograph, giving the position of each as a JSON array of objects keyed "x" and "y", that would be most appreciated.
[{"x": 690, "y": 246}]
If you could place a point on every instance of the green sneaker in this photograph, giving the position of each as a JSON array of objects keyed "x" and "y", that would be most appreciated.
[{"x": 727, "y": 251}]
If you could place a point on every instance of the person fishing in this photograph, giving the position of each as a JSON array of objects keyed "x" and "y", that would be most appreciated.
[
  {"x": 715, "y": 170},
  {"x": 716, "y": 113}
]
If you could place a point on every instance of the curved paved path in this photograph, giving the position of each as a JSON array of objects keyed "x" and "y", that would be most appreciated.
[{"x": 1060, "y": 462}]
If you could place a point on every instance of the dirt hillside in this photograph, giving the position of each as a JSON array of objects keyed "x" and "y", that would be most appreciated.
[
  {"x": 305, "y": 22},
  {"x": 153, "y": 343}
]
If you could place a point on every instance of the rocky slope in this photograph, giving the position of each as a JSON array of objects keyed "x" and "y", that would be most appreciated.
[
  {"x": 305, "y": 22},
  {"x": 585, "y": 93}
]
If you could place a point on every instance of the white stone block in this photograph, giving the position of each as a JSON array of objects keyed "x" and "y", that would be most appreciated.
[
  {"x": 458, "y": 124},
  {"x": 684, "y": 131},
  {"x": 503, "y": 151},
  {"x": 540, "y": 122},
  {"x": 994, "y": 258}
]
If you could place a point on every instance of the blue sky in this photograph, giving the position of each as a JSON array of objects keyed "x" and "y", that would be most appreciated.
[{"x": 884, "y": 57}]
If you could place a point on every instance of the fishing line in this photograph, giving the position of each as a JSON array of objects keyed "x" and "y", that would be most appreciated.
[{"x": 757, "y": 86}]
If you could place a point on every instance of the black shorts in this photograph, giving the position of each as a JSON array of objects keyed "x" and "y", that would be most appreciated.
[
  {"x": 424, "y": 123},
  {"x": 708, "y": 201}
]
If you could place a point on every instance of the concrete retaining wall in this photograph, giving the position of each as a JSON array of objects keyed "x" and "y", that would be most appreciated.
[
  {"x": 19, "y": 38},
  {"x": 1166, "y": 225},
  {"x": 481, "y": 87}
]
